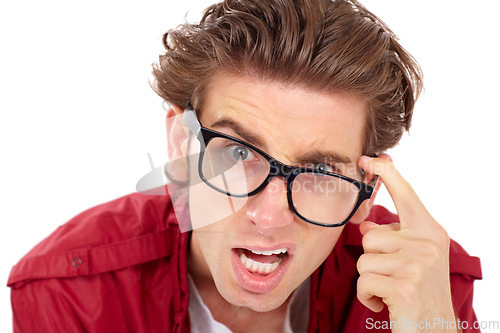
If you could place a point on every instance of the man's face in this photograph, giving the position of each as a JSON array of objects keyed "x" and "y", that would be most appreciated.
[{"x": 288, "y": 123}]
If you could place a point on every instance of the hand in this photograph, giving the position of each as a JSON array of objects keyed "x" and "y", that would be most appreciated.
[{"x": 406, "y": 264}]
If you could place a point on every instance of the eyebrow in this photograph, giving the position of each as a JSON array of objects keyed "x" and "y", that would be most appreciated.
[
  {"x": 239, "y": 130},
  {"x": 315, "y": 156},
  {"x": 323, "y": 157}
]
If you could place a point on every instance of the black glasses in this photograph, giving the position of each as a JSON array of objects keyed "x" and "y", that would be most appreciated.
[{"x": 315, "y": 194}]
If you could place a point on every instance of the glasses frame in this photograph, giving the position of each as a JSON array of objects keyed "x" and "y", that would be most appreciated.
[{"x": 277, "y": 169}]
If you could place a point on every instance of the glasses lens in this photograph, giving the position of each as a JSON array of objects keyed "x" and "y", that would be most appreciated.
[
  {"x": 233, "y": 167},
  {"x": 322, "y": 198}
]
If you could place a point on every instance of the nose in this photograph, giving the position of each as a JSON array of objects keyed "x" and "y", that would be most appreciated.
[{"x": 269, "y": 209}]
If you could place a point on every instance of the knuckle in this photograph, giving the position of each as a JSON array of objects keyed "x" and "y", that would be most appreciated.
[
  {"x": 364, "y": 279},
  {"x": 360, "y": 284},
  {"x": 431, "y": 250},
  {"x": 442, "y": 236},
  {"x": 430, "y": 254},
  {"x": 369, "y": 240},
  {"x": 361, "y": 265},
  {"x": 414, "y": 269},
  {"x": 405, "y": 290},
  {"x": 364, "y": 282}
]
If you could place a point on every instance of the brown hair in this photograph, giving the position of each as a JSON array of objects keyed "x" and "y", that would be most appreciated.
[{"x": 318, "y": 44}]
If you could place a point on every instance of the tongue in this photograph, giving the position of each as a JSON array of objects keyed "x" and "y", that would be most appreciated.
[{"x": 261, "y": 258}]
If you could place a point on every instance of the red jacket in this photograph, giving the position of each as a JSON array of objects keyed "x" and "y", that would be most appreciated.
[{"x": 122, "y": 267}]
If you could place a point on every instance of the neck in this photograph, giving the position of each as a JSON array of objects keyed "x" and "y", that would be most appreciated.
[{"x": 237, "y": 318}]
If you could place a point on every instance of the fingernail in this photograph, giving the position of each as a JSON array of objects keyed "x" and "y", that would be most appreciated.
[{"x": 365, "y": 159}]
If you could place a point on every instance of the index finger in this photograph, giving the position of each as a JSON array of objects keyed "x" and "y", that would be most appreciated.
[{"x": 405, "y": 199}]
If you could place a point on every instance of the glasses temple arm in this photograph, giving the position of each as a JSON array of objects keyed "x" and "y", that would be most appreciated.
[{"x": 191, "y": 121}]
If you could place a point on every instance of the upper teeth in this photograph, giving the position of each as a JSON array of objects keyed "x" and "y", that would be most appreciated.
[{"x": 268, "y": 253}]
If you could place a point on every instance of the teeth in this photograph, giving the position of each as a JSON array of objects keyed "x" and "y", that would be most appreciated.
[
  {"x": 268, "y": 253},
  {"x": 259, "y": 267}
]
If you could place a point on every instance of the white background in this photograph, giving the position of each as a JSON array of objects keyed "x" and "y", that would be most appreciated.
[{"x": 78, "y": 116}]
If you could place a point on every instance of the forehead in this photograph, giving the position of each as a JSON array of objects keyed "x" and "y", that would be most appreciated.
[{"x": 289, "y": 120}]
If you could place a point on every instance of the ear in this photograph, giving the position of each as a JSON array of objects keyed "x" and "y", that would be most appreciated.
[
  {"x": 177, "y": 145},
  {"x": 364, "y": 210}
]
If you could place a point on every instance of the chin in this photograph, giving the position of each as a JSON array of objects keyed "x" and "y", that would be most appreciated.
[{"x": 253, "y": 301}]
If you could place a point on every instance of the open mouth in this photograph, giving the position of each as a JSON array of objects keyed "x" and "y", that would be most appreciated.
[
  {"x": 262, "y": 262},
  {"x": 260, "y": 270}
]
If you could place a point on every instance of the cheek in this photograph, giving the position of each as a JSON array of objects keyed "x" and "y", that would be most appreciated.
[
  {"x": 208, "y": 244},
  {"x": 318, "y": 245},
  {"x": 362, "y": 212},
  {"x": 207, "y": 206}
]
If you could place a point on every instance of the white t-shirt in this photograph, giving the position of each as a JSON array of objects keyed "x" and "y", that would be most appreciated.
[{"x": 297, "y": 313}]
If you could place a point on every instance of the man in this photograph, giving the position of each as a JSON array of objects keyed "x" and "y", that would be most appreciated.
[{"x": 278, "y": 110}]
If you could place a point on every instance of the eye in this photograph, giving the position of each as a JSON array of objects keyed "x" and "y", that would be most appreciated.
[
  {"x": 323, "y": 167},
  {"x": 240, "y": 153}
]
